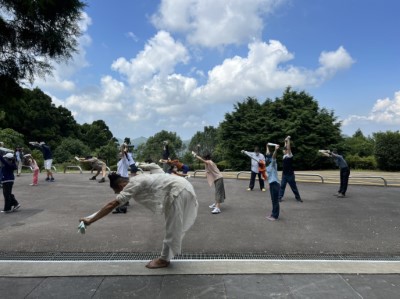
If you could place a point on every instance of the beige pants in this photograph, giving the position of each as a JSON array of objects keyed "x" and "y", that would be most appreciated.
[{"x": 178, "y": 219}]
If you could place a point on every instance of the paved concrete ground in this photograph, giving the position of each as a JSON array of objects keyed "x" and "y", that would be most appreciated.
[{"x": 366, "y": 223}]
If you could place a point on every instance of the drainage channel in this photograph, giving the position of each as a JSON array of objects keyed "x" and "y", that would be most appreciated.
[{"x": 140, "y": 256}]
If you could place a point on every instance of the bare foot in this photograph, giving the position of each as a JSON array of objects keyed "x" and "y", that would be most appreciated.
[{"x": 157, "y": 263}]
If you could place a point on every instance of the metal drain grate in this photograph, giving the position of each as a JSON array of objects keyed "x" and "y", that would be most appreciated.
[{"x": 139, "y": 256}]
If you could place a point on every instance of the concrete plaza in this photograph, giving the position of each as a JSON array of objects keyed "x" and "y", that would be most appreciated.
[{"x": 316, "y": 249}]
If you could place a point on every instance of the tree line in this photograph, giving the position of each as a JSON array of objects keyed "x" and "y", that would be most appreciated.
[{"x": 33, "y": 33}]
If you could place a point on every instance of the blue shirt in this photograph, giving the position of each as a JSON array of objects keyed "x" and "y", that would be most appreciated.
[
  {"x": 272, "y": 171},
  {"x": 340, "y": 162}
]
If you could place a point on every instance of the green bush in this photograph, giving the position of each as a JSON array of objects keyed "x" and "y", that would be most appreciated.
[
  {"x": 357, "y": 162},
  {"x": 222, "y": 165}
]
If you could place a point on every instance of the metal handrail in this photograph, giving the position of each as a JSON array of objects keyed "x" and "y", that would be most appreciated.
[
  {"x": 73, "y": 166},
  {"x": 196, "y": 171},
  {"x": 309, "y": 174},
  {"x": 240, "y": 172},
  {"x": 370, "y": 177}
]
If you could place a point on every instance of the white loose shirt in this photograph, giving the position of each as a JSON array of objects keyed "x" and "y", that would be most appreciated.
[
  {"x": 156, "y": 191},
  {"x": 254, "y": 163}
]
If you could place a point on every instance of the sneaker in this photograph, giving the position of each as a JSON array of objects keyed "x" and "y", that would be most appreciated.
[
  {"x": 248, "y": 189},
  {"x": 341, "y": 196},
  {"x": 52, "y": 180},
  {"x": 32, "y": 184},
  {"x": 336, "y": 194},
  {"x": 93, "y": 178},
  {"x": 263, "y": 190},
  {"x": 16, "y": 207},
  {"x": 47, "y": 179},
  {"x": 8, "y": 211},
  {"x": 102, "y": 180},
  {"x": 270, "y": 218},
  {"x": 299, "y": 200},
  {"x": 216, "y": 211},
  {"x": 212, "y": 206}
]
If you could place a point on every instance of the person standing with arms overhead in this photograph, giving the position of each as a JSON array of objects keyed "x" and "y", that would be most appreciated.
[
  {"x": 288, "y": 175},
  {"x": 272, "y": 172},
  {"x": 165, "y": 155},
  {"x": 256, "y": 160},
  {"x": 344, "y": 172},
  {"x": 213, "y": 176},
  {"x": 48, "y": 158},
  {"x": 132, "y": 162}
]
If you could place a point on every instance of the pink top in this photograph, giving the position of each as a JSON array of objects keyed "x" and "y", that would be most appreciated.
[
  {"x": 212, "y": 172},
  {"x": 34, "y": 165}
]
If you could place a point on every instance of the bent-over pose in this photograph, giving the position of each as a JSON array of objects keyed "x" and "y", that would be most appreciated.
[
  {"x": 344, "y": 172},
  {"x": 170, "y": 195},
  {"x": 213, "y": 176},
  {"x": 97, "y": 165}
]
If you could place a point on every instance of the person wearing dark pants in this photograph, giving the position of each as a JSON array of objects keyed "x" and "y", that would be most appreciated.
[
  {"x": 256, "y": 158},
  {"x": 288, "y": 175},
  {"x": 274, "y": 186},
  {"x": 9, "y": 166},
  {"x": 344, "y": 171}
]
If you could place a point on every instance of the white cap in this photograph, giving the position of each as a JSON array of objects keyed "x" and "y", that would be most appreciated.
[
  {"x": 41, "y": 143},
  {"x": 8, "y": 156}
]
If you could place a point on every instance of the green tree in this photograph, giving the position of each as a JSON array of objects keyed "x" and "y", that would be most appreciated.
[
  {"x": 205, "y": 142},
  {"x": 34, "y": 32},
  {"x": 11, "y": 138},
  {"x": 109, "y": 152},
  {"x": 387, "y": 148},
  {"x": 69, "y": 148},
  {"x": 33, "y": 114},
  {"x": 295, "y": 113},
  {"x": 97, "y": 134},
  {"x": 153, "y": 147},
  {"x": 359, "y": 145}
]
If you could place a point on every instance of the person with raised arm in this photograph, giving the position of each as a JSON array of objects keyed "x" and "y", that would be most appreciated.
[{"x": 274, "y": 186}]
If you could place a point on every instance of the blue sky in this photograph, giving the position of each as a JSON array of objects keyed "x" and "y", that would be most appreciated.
[{"x": 178, "y": 65}]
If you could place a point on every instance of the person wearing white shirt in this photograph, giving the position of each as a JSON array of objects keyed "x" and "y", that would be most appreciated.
[
  {"x": 256, "y": 157},
  {"x": 170, "y": 195}
]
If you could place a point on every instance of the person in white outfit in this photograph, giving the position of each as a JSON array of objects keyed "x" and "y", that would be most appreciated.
[{"x": 170, "y": 195}]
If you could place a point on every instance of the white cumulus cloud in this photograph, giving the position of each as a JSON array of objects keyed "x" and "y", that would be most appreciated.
[
  {"x": 214, "y": 23},
  {"x": 385, "y": 111}
]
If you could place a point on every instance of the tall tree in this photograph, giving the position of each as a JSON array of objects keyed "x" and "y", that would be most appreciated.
[
  {"x": 387, "y": 150},
  {"x": 153, "y": 147},
  {"x": 359, "y": 145},
  {"x": 34, "y": 32},
  {"x": 205, "y": 142},
  {"x": 97, "y": 134},
  {"x": 295, "y": 113}
]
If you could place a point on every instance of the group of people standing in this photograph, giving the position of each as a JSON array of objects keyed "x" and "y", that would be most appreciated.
[{"x": 268, "y": 164}]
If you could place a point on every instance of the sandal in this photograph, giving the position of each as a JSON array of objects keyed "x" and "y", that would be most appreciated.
[{"x": 157, "y": 263}]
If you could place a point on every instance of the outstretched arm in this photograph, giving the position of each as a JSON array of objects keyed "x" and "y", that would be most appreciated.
[
  {"x": 100, "y": 214},
  {"x": 275, "y": 151},
  {"x": 267, "y": 150},
  {"x": 198, "y": 157}
]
